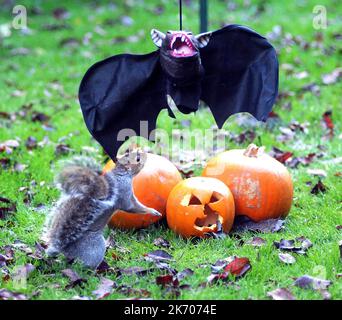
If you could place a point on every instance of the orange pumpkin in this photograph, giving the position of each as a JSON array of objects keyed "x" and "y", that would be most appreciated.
[
  {"x": 151, "y": 186},
  {"x": 195, "y": 206},
  {"x": 261, "y": 186}
]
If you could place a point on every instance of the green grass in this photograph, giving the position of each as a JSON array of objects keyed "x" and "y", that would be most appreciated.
[{"x": 48, "y": 63}]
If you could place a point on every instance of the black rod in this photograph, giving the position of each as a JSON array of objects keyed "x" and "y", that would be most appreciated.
[
  {"x": 180, "y": 15},
  {"x": 203, "y": 16}
]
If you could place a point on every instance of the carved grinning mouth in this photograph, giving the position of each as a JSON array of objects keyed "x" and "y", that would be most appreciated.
[{"x": 182, "y": 46}]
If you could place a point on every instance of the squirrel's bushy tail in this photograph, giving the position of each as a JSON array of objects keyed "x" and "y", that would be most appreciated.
[{"x": 80, "y": 175}]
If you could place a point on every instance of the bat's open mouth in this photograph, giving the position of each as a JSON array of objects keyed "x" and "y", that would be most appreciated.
[{"x": 181, "y": 46}]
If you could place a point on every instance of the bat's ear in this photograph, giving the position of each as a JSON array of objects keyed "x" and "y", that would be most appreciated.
[
  {"x": 203, "y": 39},
  {"x": 157, "y": 37}
]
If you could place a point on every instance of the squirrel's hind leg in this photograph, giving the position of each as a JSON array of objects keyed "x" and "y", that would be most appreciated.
[{"x": 90, "y": 249}]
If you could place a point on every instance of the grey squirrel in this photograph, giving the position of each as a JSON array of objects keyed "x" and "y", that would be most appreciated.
[{"x": 88, "y": 200}]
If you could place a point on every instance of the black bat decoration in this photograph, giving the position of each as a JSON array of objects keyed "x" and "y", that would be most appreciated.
[{"x": 233, "y": 69}]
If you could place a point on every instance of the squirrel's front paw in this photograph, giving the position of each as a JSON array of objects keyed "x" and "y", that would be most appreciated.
[{"x": 154, "y": 212}]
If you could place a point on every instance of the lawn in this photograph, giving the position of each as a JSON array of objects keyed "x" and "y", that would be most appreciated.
[{"x": 40, "y": 72}]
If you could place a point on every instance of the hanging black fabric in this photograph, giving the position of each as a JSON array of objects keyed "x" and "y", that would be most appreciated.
[{"x": 239, "y": 73}]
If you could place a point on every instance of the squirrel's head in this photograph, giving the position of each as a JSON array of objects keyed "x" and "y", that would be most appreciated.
[{"x": 132, "y": 161}]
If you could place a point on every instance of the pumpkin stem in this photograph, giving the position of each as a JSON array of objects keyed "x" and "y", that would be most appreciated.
[{"x": 253, "y": 151}]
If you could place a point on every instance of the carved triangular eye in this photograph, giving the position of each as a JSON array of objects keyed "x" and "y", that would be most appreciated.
[
  {"x": 194, "y": 201},
  {"x": 215, "y": 197}
]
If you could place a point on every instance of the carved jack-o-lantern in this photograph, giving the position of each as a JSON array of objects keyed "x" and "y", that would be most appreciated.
[{"x": 200, "y": 205}]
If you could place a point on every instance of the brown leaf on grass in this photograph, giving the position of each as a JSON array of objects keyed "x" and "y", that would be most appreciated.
[
  {"x": 185, "y": 273},
  {"x": 164, "y": 266},
  {"x": 74, "y": 278},
  {"x": 61, "y": 13},
  {"x": 22, "y": 247},
  {"x": 104, "y": 289},
  {"x": 308, "y": 282},
  {"x": 19, "y": 167},
  {"x": 11, "y": 295},
  {"x": 8, "y": 256},
  {"x": 286, "y": 258},
  {"x": 299, "y": 245},
  {"x": 104, "y": 267},
  {"x": 8, "y": 146},
  {"x": 31, "y": 143},
  {"x": 55, "y": 26},
  {"x": 326, "y": 295},
  {"x": 232, "y": 266},
  {"x": 39, "y": 117},
  {"x": 332, "y": 77},
  {"x": 23, "y": 272},
  {"x": 70, "y": 42},
  {"x": 281, "y": 156},
  {"x": 243, "y": 223},
  {"x": 318, "y": 188},
  {"x": 7, "y": 207},
  {"x": 5, "y": 163},
  {"x": 161, "y": 242},
  {"x": 129, "y": 291},
  {"x": 62, "y": 149},
  {"x": 328, "y": 123},
  {"x": 140, "y": 271},
  {"x": 340, "y": 246},
  {"x": 167, "y": 280},
  {"x": 281, "y": 294},
  {"x": 238, "y": 267},
  {"x": 158, "y": 255},
  {"x": 306, "y": 160},
  {"x": 39, "y": 251},
  {"x": 256, "y": 242}
]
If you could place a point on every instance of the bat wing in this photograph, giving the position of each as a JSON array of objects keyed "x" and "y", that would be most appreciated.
[
  {"x": 121, "y": 97},
  {"x": 241, "y": 73}
]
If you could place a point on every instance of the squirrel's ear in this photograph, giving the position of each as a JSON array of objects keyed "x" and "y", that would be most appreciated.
[
  {"x": 203, "y": 39},
  {"x": 157, "y": 37}
]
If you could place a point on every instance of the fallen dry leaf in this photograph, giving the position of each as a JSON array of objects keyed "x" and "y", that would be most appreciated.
[
  {"x": 328, "y": 123},
  {"x": 308, "y": 282},
  {"x": 135, "y": 271},
  {"x": 105, "y": 288},
  {"x": 161, "y": 242},
  {"x": 318, "y": 188},
  {"x": 10, "y": 295},
  {"x": 7, "y": 207},
  {"x": 299, "y": 245},
  {"x": 31, "y": 143},
  {"x": 256, "y": 242},
  {"x": 333, "y": 77},
  {"x": 242, "y": 223},
  {"x": 281, "y": 294},
  {"x": 74, "y": 278},
  {"x": 287, "y": 258},
  {"x": 158, "y": 255},
  {"x": 167, "y": 280}
]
